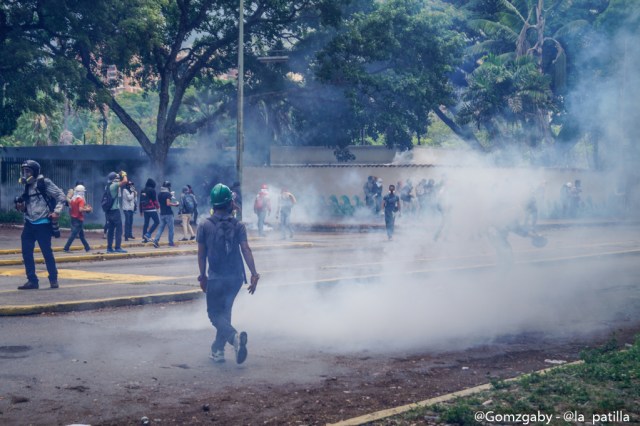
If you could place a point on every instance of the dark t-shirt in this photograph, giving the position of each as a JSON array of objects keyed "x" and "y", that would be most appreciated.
[
  {"x": 162, "y": 199},
  {"x": 233, "y": 267},
  {"x": 390, "y": 202}
]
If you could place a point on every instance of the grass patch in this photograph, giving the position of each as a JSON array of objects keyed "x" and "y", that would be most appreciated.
[{"x": 603, "y": 389}]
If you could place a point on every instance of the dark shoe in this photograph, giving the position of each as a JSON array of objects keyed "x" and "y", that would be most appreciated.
[
  {"x": 171, "y": 245},
  {"x": 240, "y": 346},
  {"x": 217, "y": 356},
  {"x": 87, "y": 249},
  {"x": 184, "y": 239},
  {"x": 110, "y": 250},
  {"x": 126, "y": 239},
  {"x": 54, "y": 284},
  {"x": 29, "y": 285},
  {"x": 66, "y": 250},
  {"x": 192, "y": 237},
  {"x": 145, "y": 239},
  {"x": 132, "y": 238},
  {"x": 119, "y": 250},
  {"x": 155, "y": 244}
]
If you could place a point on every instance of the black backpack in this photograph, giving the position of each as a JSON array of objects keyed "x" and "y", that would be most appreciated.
[
  {"x": 107, "y": 199},
  {"x": 226, "y": 247}
]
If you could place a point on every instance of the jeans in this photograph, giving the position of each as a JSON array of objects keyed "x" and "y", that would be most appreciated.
[
  {"x": 285, "y": 222},
  {"x": 187, "y": 230},
  {"x": 42, "y": 234},
  {"x": 389, "y": 221},
  {"x": 221, "y": 294},
  {"x": 150, "y": 215},
  {"x": 114, "y": 225},
  {"x": 128, "y": 223},
  {"x": 77, "y": 231},
  {"x": 262, "y": 214},
  {"x": 165, "y": 220}
]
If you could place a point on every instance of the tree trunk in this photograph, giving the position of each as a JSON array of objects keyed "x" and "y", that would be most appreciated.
[{"x": 463, "y": 132}]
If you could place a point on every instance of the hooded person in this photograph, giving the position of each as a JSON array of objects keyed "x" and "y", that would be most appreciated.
[
  {"x": 41, "y": 204},
  {"x": 149, "y": 209},
  {"x": 222, "y": 244},
  {"x": 77, "y": 208}
]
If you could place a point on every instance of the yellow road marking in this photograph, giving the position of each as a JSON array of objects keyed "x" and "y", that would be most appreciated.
[{"x": 73, "y": 274}]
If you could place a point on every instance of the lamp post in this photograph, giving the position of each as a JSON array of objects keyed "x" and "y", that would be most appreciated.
[{"x": 240, "y": 123}]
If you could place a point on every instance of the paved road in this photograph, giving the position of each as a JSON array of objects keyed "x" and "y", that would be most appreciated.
[{"x": 333, "y": 299}]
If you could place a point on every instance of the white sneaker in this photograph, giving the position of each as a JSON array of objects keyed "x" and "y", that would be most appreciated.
[
  {"x": 217, "y": 356},
  {"x": 240, "y": 346}
]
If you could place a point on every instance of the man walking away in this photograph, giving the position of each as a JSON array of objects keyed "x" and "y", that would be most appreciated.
[
  {"x": 114, "y": 219},
  {"x": 149, "y": 208},
  {"x": 262, "y": 207},
  {"x": 41, "y": 203},
  {"x": 188, "y": 206},
  {"x": 166, "y": 213},
  {"x": 77, "y": 208},
  {"x": 285, "y": 204},
  {"x": 221, "y": 238},
  {"x": 391, "y": 205}
]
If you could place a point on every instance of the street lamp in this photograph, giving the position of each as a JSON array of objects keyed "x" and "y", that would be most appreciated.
[{"x": 240, "y": 123}]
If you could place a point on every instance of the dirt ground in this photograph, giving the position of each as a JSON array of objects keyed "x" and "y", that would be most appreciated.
[{"x": 369, "y": 384}]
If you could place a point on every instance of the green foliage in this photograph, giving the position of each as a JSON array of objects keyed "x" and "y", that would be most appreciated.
[{"x": 11, "y": 216}]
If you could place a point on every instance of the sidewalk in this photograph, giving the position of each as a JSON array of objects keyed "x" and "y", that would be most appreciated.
[{"x": 85, "y": 289}]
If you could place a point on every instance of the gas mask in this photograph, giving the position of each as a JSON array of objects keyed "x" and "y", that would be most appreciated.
[{"x": 26, "y": 177}]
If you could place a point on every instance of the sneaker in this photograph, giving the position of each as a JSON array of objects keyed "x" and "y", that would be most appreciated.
[
  {"x": 66, "y": 250},
  {"x": 145, "y": 239},
  {"x": 193, "y": 237},
  {"x": 155, "y": 244},
  {"x": 240, "y": 346},
  {"x": 172, "y": 245},
  {"x": 110, "y": 250},
  {"x": 184, "y": 239},
  {"x": 217, "y": 356},
  {"x": 88, "y": 249},
  {"x": 132, "y": 238},
  {"x": 29, "y": 285},
  {"x": 54, "y": 284},
  {"x": 119, "y": 250}
]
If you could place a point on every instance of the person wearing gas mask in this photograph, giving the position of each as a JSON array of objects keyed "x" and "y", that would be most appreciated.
[{"x": 41, "y": 203}]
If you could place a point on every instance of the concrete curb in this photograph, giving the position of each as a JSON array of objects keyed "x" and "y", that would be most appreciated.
[
  {"x": 379, "y": 415},
  {"x": 85, "y": 305},
  {"x": 132, "y": 255}
]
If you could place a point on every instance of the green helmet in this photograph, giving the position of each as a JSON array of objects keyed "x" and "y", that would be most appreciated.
[{"x": 220, "y": 195}]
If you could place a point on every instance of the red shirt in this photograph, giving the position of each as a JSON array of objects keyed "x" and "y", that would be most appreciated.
[{"x": 74, "y": 208}]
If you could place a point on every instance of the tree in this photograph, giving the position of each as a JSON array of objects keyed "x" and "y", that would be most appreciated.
[
  {"x": 167, "y": 46},
  {"x": 392, "y": 67}
]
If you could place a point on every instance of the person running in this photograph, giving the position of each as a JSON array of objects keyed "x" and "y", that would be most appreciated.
[
  {"x": 166, "y": 201},
  {"x": 390, "y": 205},
  {"x": 77, "y": 208},
  {"x": 221, "y": 240},
  {"x": 41, "y": 204},
  {"x": 149, "y": 209}
]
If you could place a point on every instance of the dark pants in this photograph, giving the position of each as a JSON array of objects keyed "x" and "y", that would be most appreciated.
[
  {"x": 221, "y": 294},
  {"x": 77, "y": 230},
  {"x": 128, "y": 223},
  {"x": 150, "y": 215},
  {"x": 42, "y": 234},
  {"x": 389, "y": 221},
  {"x": 114, "y": 225}
]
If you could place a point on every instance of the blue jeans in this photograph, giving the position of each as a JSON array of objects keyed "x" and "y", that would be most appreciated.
[
  {"x": 165, "y": 220},
  {"x": 77, "y": 231},
  {"x": 285, "y": 222},
  {"x": 262, "y": 214},
  {"x": 389, "y": 221},
  {"x": 221, "y": 293},
  {"x": 128, "y": 223},
  {"x": 114, "y": 225},
  {"x": 150, "y": 215},
  {"x": 42, "y": 234}
]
